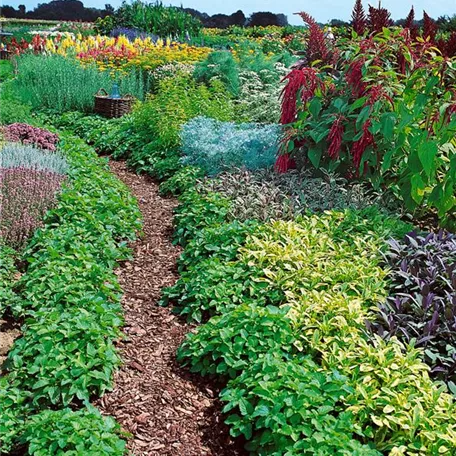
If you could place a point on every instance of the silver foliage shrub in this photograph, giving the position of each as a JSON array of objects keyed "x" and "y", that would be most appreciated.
[
  {"x": 218, "y": 146},
  {"x": 16, "y": 155}
]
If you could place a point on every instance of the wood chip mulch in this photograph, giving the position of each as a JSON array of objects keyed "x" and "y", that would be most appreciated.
[{"x": 167, "y": 410}]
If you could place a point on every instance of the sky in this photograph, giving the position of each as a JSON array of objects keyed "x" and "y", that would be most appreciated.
[{"x": 322, "y": 10}]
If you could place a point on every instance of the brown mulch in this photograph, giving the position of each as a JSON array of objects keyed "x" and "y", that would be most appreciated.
[
  {"x": 167, "y": 410},
  {"x": 8, "y": 334}
]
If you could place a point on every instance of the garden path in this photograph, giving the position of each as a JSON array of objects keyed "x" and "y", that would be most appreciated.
[{"x": 167, "y": 410}]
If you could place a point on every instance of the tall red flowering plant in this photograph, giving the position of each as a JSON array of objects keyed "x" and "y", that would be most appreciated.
[
  {"x": 302, "y": 84},
  {"x": 379, "y": 117},
  {"x": 359, "y": 20}
]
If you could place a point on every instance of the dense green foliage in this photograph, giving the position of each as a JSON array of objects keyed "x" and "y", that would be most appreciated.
[
  {"x": 156, "y": 18},
  {"x": 64, "y": 432},
  {"x": 71, "y": 300},
  {"x": 387, "y": 118}
]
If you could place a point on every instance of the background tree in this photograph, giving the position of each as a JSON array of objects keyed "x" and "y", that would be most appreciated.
[{"x": 264, "y": 19}]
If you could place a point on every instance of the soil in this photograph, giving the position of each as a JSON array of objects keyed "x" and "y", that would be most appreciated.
[
  {"x": 166, "y": 410},
  {"x": 8, "y": 334}
]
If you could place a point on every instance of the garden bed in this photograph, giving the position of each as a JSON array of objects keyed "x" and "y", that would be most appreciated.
[{"x": 283, "y": 263}]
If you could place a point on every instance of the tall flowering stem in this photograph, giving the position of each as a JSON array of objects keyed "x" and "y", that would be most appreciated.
[
  {"x": 305, "y": 81},
  {"x": 335, "y": 137},
  {"x": 379, "y": 18},
  {"x": 360, "y": 146},
  {"x": 317, "y": 48},
  {"x": 410, "y": 24},
  {"x": 300, "y": 82},
  {"x": 354, "y": 77},
  {"x": 359, "y": 20},
  {"x": 430, "y": 28}
]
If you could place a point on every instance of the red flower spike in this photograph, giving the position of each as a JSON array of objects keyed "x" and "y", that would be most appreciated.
[
  {"x": 317, "y": 48},
  {"x": 410, "y": 24},
  {"x": 359, "y": 21},
  {"x": 430, "y": 28},
  {"x": 360, "y": 146},
  {"x": 354, "y": 78},
  {"x": 379, "y": 18},
  {"x": 376, "y": 93},
  {"x": 306, "y": 79},
  {"x": 284, "y": 163},
  {"x": 335, "y": 137}
]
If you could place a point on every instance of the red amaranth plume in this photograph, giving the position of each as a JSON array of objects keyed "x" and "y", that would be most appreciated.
[
  {"x": 317, "y": 48},
  {"x": 376, "y": 93},
  {"x": 283, "y": 163},
  {"x": 411, "y": 24},
  {"x": 306, "y": 79},
  {"x": 379, "y": 18},
  {"x": 360, "y": 146},
  {"x": 430, "y": 28},
  {"x": 359, "y": 21},
  {"x": 354, "y": 77},
  {"x": 335, "y": 137}
]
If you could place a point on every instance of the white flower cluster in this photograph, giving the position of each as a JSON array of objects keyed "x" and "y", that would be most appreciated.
[
  {"x": 171, "y": 70},
  {"x": 260, "y": 94}
]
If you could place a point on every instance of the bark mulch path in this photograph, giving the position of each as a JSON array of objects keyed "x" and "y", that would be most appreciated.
[{"x": 167, "y": 410}]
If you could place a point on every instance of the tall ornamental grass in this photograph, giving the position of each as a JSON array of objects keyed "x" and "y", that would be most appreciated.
[{"x": 62, "y": 84}]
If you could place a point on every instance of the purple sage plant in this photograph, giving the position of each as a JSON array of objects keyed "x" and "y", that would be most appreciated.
[
  {"x": 422, "y": 301},
  {"x": 26, "y": 134}
]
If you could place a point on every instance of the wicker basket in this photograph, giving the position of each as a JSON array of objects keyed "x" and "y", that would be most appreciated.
[
  {"x": 112, "y": 107},
  {"x": 5, "y": 55}
]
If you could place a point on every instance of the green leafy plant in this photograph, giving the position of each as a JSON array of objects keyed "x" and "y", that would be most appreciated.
[
  {"x": 157, "y": 18},
  {"x": 182, "y": 181},
  {"x": 228, "y": 344},
  {"x": 196, "y": 211},
  {"x": 71, "y": 300},
  {"x": 222, "y": 66},
  {"x": 292, "y": 407},
  {"x": 387, "y": 117},
  {"x": 65, "y": 432}
]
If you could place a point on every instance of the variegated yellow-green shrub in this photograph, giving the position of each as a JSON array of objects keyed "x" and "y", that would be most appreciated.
[{"x": 329, "y": 269}]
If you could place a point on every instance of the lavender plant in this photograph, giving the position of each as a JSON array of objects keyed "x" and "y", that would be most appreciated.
[
  {"x": 422, "y": 304},
  {"x": 217, "y": 146},
  {"x": 30, "y": 179},
  {"x": 25, "y": 197}
]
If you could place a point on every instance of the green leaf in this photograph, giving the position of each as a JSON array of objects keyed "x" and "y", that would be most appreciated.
[
  {"x": 315, "y": 107},
  {"x": 418, "y": 187},
  {"x": 427, "y": 152},
  {"x": 314, "y": 153},
  {"x": 387, "y": 125},
  {"x": 362, "y": 117}
]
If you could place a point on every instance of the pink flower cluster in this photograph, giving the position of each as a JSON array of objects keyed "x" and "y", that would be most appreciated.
[
  {"x": 26, "y": 134},
  {"x": 25, "y": 196}
]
